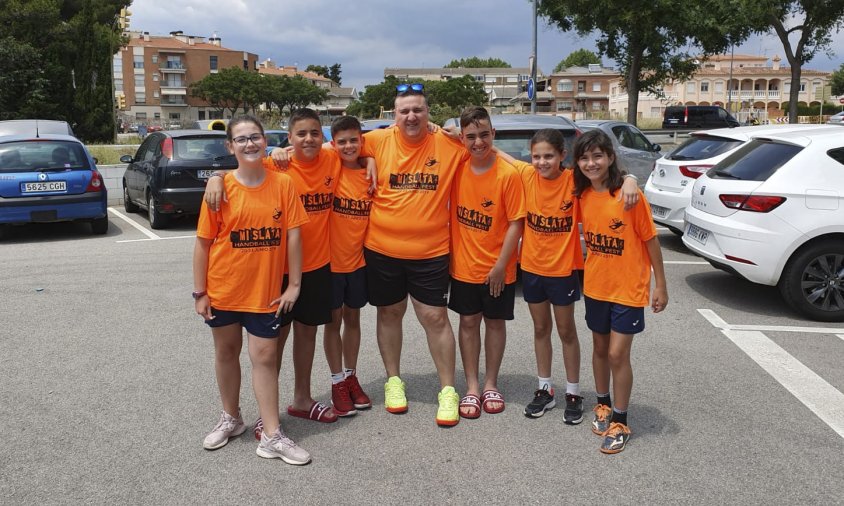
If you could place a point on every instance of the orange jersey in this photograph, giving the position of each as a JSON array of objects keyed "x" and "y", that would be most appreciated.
[
  {"x": 249, "y": 253},
  {"x": 482, "y": 207},
  {"x": 551, "y": 240},
  {"x": 349, "y": 219},
  {"x": 315, "y": 181},
  {"x": 410, "y": 215},
  {"x": 618, "y": 266}
]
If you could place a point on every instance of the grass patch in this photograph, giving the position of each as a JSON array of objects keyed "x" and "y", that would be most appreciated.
[{"x": 110, "y": 154}]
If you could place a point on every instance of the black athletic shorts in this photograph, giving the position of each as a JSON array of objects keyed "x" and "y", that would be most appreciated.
[
  {"x": 349, "y": 289},
  {"x": 313, "y": 307},
  {"x": 472, "y": 298},
  {"x": 391, "y": 279}
]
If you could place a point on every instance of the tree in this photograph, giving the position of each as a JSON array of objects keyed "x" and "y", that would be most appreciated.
[
  {"x": 321, "y": 70},
  {"x": 475, "y": 62},
  {"x": 810, "y": 22},
  {"x": 333, "y": 72},
  {"x": 578, "y": 58},
  {"x": 837, "y": 81},
  {"x": 650, "y": 41},
  {"x": 22, "y": 82}
]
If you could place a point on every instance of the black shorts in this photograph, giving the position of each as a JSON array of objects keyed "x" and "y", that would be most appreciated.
[
  {"x": 313, "y": 307},
  {"x": 472, "y": 298},
  {"x": 391, "y": 279},
  {"x": 265, "y": 325},
  {"x": 349, "y": 289}
]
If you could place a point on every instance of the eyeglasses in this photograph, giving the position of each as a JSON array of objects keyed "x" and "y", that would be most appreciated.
[
  {"x": 242, "y": 140},
  {"x": 410, "y": 88}
]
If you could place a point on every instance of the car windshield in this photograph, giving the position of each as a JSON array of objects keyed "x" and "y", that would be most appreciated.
[
  {"x": 703, "y": 147},
  {"x": 755, "y": 161},
  {"x": 199, "y": 148},
  {"x": 276, "y": 138},
  {"x": 40, "y": 155},
  {"x": 517, "y": 144}
]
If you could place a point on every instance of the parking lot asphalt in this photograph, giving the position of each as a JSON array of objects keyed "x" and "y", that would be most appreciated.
[{"x": 108, "y": 390}]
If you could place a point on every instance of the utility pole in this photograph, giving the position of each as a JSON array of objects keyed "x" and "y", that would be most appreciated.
[
  {"x": 533, "y": 63},
  {"x": 730, "y": 82}
]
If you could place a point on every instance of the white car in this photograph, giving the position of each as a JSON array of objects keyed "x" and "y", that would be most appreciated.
[
  {"x": 773, "y": 213},
  {"x": 669, "y": 187}
]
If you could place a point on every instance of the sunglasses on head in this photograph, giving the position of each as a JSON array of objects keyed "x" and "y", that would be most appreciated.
[{"x": 410, "y": 88}]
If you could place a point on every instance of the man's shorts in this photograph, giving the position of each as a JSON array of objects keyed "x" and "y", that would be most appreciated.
[
  {"x": 313, "y": 307},
  {"x": 472, "y": 298},
  {"x": 349, "y": 289},
  {"x": 390, "y": 279},
  {"x": 602, "y": 317},
  {"x": 258, "y": 324},
  {"x": 560, "y": 291}
]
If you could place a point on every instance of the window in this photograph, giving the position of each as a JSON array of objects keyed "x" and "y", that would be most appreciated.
[
  {"x": 138, "y": 61},
  {"x": 596, "y": 86},
  {"x": 691, "y": 87},
  {"x": 564, "y": 85},
  {"x": 117, "y": 64},
  {"x": 704, "y": 87},
  {"x": 581, "y": 86},
  {"x": 141, "y": 115},
  {"x": 596, "y": 106},
  {"x": 201, "y": 115},
  {"x": 155, "y": 94},
  {"x": 139, "y": 81},
  {"x": 155, "y": 77},
  {"x": 175, "y": 116},
  {"x": 490, "y": 80},
  {"x": 118, "y": 84},
  {"x": 213, "y": 62},
  {"x": 565, "y": 105},
  {"x": 155, "y": 58},
  {"x": 802, "y": 87},
  {"x": 512, "y": 79},
  {"x": 245, "y": 64},
  {"x": 140, "y": 98},
  {"x": 719, "y": 87},
  {"x": 157, "y": 115},
  {"x": 479, "y": 78}
]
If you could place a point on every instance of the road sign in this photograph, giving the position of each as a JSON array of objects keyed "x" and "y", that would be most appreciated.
[
  {"x": 841, "y": 100},
  {"x": 531, "y": 89}
]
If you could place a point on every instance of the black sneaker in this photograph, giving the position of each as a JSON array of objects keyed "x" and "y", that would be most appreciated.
[
  {"x": 573, "y": 414},
  {"x": 543, "y": 400}
]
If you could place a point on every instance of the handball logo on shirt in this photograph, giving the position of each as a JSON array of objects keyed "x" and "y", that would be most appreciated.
[
  {"x": 473, "y": 219},
  {"x": 486, "y": 203},
  {"x": 351, "y": 207},
  {"x": 548, "y": 224},
  {"x": 617, "y": 225},
  {"x": 315, "y": 202},
  {"x": 414, "y": 181},
  {"x": 431, "y": 161},
  {"x": 328, "y": 180},
  {"x": 567, "y": 205},
  {"x": 276, "y": 214},
  {"x": 262, "y": 237},
  {"x": 604, "y": 244}
]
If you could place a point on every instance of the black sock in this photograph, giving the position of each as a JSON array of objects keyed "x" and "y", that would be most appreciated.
[
  {"x": 618, "y": 417},
  {"x": 605, "y": 400}
]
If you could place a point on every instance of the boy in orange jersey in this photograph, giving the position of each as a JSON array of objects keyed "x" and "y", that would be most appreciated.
[
  {"x": 347, "y": 223},
  {"x": 487, "y": 208}
]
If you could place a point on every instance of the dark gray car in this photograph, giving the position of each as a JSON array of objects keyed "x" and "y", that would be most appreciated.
[{"x": 636, "y": 154}]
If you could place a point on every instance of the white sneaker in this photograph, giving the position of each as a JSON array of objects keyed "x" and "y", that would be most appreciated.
[
  {"x": 279, "y": 446},
  {"x": 227, "y": 427}
]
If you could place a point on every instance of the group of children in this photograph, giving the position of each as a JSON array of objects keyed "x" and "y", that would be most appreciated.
[{"x": 265, "y": 233}]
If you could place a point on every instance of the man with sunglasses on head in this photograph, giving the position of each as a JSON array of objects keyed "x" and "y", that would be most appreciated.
[{"x": 407, "y": 244}]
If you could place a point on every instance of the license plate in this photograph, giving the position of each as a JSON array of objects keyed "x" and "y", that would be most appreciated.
[
  {"x": 698, "y": 234},
  {"x": 659, "y": 211},
  {"x": 204, "y": 174},
  {"x": 44, "y": 186}
]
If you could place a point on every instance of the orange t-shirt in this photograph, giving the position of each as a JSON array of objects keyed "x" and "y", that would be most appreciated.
[
  {"x": 349, "y": 219},
  {"x": 249, "y": 253},
  {"x": 551, "y": 241},
  {"x": 315, "y": 181},
  {"x": 482, "y": 207},
  {"x": 618, "y": 266},
  {"x": 409, "y": 217}
]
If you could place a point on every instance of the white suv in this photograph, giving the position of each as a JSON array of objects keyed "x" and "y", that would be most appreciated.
[
  {"x": 773, "y": 212},
  {"x": 669, "y": 186}
]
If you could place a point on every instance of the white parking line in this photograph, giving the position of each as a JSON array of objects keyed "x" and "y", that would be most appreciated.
[
  {"x": 841, "y": 336},
  {"x": 716, "y": 321},
  {"x": 814, "y": 392},
  {"x": 132, "y": 222},
  {"x": 161, "y": 238}
]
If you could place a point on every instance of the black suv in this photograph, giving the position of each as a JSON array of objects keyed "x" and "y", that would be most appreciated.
[
  {"x": 167, "y": 175},
  {"x": 697, "y": 116}
]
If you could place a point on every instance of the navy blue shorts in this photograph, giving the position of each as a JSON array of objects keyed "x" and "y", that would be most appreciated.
[
  {"x": 602, "y": 317},
  {"x": 472, "y": 298},
  {"x": 349, "y": 289},
  {"x": 560, "y": 291},
  {"x": 258, "y": 324}
]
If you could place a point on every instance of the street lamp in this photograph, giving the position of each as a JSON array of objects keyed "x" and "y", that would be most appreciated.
[{"x": 533, "y": 63}]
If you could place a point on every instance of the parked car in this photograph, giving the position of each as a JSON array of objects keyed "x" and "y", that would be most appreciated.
[
  {"x": 773, "y": 213},
  {"x": 374, "y": 124},
  {"x": 837, "y": 119},
  {"x": 669, "y": 187},
  {"x": 168, "y": 173},
  {"x": 275, "y": 138},
  {"x": 35, "y": 127},
  {"x": 697, "y": 116},
  {"x": 49, "y": 178},
  {"x": 326, "y": 137},
  {"x": 636, "y": 154}
]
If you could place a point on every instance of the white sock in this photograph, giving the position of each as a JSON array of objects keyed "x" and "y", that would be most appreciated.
[
  {"x": 545, "y": 384},
  {"x": 348, "y": 372},
  {"x": 337, "y": 378},
  {"x": 573, "y": 388}
]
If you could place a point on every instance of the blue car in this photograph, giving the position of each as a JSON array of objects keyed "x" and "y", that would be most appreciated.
[{"x": 48, "y": 178}]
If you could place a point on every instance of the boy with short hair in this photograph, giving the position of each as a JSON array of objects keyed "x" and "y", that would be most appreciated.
[{"x": 487, "y": 211}]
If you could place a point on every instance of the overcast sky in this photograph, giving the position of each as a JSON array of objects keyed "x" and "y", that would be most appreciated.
[{"x": 365, "y": 36}]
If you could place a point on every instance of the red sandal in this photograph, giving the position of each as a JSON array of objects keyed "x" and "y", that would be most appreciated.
[
  {"x": 491, "y": 396},
  {"x": 473, "y": 403},
  {"x": 319, "y": 413}
]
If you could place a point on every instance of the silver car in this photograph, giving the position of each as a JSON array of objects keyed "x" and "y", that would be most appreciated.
[
  {"x": 837, "y": 119},
  {"x": 636, "y": 154}
]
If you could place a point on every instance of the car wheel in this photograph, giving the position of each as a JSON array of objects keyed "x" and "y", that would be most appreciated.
[
  {"x": 157, "y": 220},
  {"x": 813, "y": 281},
  {"x": 128, "y": 205},
  {"x": 100, "y": 225}
]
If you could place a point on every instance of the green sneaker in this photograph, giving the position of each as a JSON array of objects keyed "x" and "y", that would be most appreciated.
[
  {"x": 448, "y": 413},
  {"x": 394, "y": 398}
]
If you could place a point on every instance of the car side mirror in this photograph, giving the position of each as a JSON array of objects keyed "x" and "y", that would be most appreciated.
[
  {"x": 126, "y": 159},
  {"x": 657, "y": 148},
  {"x": 96, "y": 161}
]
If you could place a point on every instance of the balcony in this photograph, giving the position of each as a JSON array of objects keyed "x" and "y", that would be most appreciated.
[
  {"x": 774, "y": 94},
  {"x": 171, "y": 101},
  {"x": 172, "y": 67},
  {"x": 173, "y": 89}
]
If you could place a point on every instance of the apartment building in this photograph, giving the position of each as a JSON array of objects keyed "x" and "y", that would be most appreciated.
[
  {"x": 152, "y": 74},
  {"x": 737, "y": 82},
  {"x": 339, "y": 97},
  {"x": 582, "y": 92}
]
